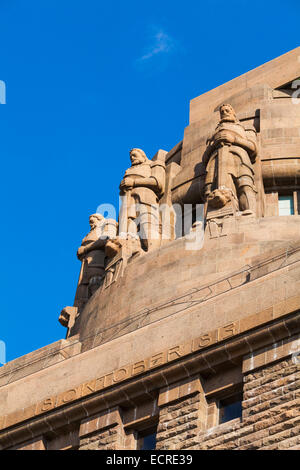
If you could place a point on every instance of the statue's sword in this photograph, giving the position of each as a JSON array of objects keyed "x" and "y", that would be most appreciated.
[
  {"x": 223, "y": 155},
  {"x": 123, "y": 219},
  {"x": 77, "y": 294}
]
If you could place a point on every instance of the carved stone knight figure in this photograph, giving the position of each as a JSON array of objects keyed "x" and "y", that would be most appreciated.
[
  {"x": 142, "y": 186},
  {"x": 229, "y": 162},
  {"x": 91, "y": 253}
]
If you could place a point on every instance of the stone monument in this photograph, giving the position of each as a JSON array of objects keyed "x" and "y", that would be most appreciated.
[
  {"x": 229, "y": 181},
  {"x": 91, "y": 253},
  {"x": 179, "y": 344},
  {"x": 141, "y": 188}
]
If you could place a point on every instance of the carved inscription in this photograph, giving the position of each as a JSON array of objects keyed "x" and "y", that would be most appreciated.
[{"x": 124, "y": 373}]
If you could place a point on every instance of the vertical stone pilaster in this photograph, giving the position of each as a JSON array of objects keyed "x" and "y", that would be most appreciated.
[
  {"x": 182, "y": 414},
  {"x": 103, "y": 431},
  {"x": 212, "y": 415}
]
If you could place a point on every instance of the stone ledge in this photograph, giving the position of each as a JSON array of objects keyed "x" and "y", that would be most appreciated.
[
  {"x": 39, "y": 359},
  {"x": 210, "y": 360}
]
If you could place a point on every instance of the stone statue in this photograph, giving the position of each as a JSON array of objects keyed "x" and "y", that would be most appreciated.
[
  {"x": 92, "y": 255},
  {"x": 141, "y": 188},
  {"x": 229, "y": 159}
]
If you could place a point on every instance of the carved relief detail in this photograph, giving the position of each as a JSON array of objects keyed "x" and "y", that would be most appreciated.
[
  {"x": 229, "y": 183},
  {"x": 91, "y": 253}
]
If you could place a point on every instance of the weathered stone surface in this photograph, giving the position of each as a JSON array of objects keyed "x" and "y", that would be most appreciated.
[{"x": 162, "y": 337}]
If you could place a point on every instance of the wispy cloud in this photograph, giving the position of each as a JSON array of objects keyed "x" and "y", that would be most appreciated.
[{"x": 161, "y": 43}]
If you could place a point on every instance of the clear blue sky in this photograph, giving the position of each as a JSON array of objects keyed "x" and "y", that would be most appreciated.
[{"x": 86, "y": 81}]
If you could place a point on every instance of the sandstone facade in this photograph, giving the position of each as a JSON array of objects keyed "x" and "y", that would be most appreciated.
[{"x": 172, "y": 344}]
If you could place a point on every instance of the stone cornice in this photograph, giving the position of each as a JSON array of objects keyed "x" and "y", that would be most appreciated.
[{"x": 207, "y": 354}]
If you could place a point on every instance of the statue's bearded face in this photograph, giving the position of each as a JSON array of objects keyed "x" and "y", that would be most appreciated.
[
  {"x": 227, "y": 113},
  {"x": 136, "y": 158}
]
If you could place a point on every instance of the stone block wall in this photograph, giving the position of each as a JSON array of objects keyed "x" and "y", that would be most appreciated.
[
  {"x": 110, "y": 439},
  {"x": 182, "y": 413},
  {"x": 271, "y": 413},
  {"x": 179, "y": 422},
  {"x": 271, "y": 406},
  {"x": 103, "y": 432},
  {"x": 187, "y": 412}
]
